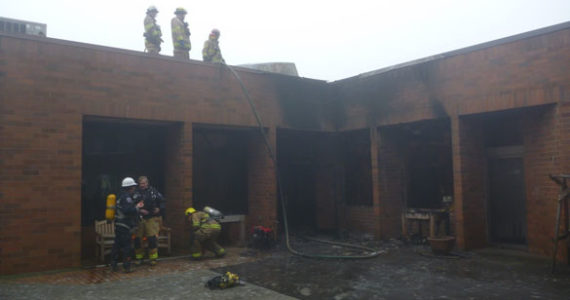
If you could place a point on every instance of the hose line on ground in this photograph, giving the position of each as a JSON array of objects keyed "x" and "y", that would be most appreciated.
[{"x": 373, "y": 252}]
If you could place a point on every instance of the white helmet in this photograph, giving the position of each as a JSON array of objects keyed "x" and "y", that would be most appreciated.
[
  {"x": 151, "y": 9},
  {"x": 128, "y": 182}
]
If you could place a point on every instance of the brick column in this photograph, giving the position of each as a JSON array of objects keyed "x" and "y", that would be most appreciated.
[
  {"x": 375, "y": 178},
  {"x": 262, "y": 184},
  {"x": 390, "y": 184},
  {"x": 178, "y": 183},
  {"x": 469, "y": 169}
]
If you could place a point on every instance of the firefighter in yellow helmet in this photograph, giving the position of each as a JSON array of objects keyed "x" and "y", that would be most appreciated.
[
  {"x": 205, "y": 231},
  {"x": 211, "y": 51},
  {"x": 152, "y": 32},
  {"x": 180, "y": 34}
]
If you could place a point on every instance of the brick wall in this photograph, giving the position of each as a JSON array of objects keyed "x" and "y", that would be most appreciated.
[
  {"x": 469, "y": 174},
  {"x": 262, "y": 184},
  {"x": 47, "y": 88},
  {"x": 524, "y": 72},
  {"x": 542, "y": 157},
  {"x": 178, "y": 187},
  {"x": 391, "y": 184}
]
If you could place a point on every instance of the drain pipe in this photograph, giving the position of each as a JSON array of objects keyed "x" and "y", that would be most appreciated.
[{"x": 373, "y": 252}]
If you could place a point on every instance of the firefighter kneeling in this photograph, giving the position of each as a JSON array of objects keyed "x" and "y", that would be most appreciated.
[{"x": 205, "y": 231}]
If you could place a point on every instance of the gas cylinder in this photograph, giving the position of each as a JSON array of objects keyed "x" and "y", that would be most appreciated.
[
  {"x": 214, "y": 213},
  {"x": 111, "y": 205}
]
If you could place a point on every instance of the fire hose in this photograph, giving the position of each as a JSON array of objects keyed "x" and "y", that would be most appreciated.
[{"x": 372, "y": 252}]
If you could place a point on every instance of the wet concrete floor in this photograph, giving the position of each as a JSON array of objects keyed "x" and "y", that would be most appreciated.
[
  {"x": 410, "y": 272},
  {"x": 400, "y": 272}
]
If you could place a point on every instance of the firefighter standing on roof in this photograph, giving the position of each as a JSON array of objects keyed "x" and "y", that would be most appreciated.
[
  {"x": 150, "y": 223},
  {"x": 152, "y": 32},
  {"x": 180, "y": 34},
  {"x": 205, "y": 231},
  {"x": 128, "y": 206},
  {"x": 211, "y": 51}
]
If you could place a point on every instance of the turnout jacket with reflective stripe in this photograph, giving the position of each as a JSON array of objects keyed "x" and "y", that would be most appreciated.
[
  {"x": 127, "y": 211},
  {"x": 202, "y": 220}
]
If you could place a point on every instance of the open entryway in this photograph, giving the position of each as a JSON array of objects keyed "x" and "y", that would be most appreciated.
[
  {"x": 309, "y": 171},
  {"x": 113, "y": 149},
  {"x": 506, "y": 186}
]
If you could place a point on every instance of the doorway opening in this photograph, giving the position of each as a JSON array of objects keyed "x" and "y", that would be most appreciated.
[
  {"x": 308, "y": 166},
  {"x": 220, "y": 168},
  {"x": 506, "y": 211},
  {"x": 114, "y": 149}
]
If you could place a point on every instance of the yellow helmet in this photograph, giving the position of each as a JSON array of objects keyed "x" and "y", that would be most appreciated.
[{"x": 190, "y": 210}]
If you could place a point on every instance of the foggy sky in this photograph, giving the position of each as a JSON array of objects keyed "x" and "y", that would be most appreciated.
[{"x": 327, "y": 40}]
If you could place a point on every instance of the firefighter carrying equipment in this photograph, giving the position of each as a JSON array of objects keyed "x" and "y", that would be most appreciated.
[
  {"x": 189, "y": 210},
  {"x": 223, "y": 281},
  {"x": 214, "y": 213},
  {"x": 111, "y": 207},
  {"x": 128, "y": 182}
]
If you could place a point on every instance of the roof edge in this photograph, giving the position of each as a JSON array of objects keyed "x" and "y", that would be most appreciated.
[{"x": 501, "y": 41}]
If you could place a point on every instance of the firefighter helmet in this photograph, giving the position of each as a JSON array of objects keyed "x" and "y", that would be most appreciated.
[
  {"x": 180, "y": 10},
  {"x": 151, "y": 9},
  {"x": 190, "y": 210},
  {"x": 128, "y": 182},
  {"x": 215, "y": 32}
]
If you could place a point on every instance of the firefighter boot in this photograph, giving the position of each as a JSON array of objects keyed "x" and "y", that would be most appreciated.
[
  {"x": 153, "y": 256},
  {"x": 114, "y": 267},
  {"x": 127, "y": 265},
  {"x": 139, "y": 255},
  {"x": 221, "y": 252}
]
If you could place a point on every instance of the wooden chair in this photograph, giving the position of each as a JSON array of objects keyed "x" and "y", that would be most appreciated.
[
  {"x": 105, "y": 238},
  {"x": 164, "y": 240}
]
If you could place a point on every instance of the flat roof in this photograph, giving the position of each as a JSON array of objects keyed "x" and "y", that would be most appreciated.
[{"x": 501, "y": 41}]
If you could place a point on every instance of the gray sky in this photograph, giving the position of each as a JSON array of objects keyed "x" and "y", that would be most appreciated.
[{"x": 327, "y": 40}]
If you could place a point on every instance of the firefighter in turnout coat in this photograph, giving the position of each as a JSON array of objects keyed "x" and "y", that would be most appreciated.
[
  {"x": 205, "y": 231},
  {"x": 128, "y": 206},
  {"x": 152, "y": 32}
]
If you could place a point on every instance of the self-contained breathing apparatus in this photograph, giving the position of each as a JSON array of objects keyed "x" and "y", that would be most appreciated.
[
  {"x": 214, "y": 213},
  {"x": 111, "y": 207}
]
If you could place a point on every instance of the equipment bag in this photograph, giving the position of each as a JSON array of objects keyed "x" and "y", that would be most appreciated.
[{"x": 223, "y": 281}]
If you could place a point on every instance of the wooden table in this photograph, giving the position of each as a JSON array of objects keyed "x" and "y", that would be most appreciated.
[{"x": 421, "y": 215}]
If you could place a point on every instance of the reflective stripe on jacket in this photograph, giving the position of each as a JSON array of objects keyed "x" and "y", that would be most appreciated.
[
  {"x": 201, "y": 219},
  {"x": 211, "y": 51},
  {"x": 180, "y": 35},
  {"x": 152, "y": 31}
]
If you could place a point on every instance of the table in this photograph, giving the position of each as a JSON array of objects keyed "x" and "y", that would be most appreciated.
[{"x": 422, "y": 215}]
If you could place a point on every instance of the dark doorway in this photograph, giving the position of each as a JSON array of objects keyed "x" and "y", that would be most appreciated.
[
  {"x": 308, "y": 162},
  {"x": 425, "y": 151},
  {"x": 506, "y": 186},
  {"x": 507, "y": 201},
  {"x": 355, "y": 145},
  {"x": 114, "y": 149},
  {"x": 220, "y": 168}
]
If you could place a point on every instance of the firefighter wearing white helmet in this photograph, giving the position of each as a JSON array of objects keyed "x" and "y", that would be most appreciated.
[
  {"x": 152, "y": 32},
  {"x": 180, "y": 34},
  {"x": 205, "y": 231},
  {"x": 211, "y": 51},
  {"x": 128, "y": 206}
]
